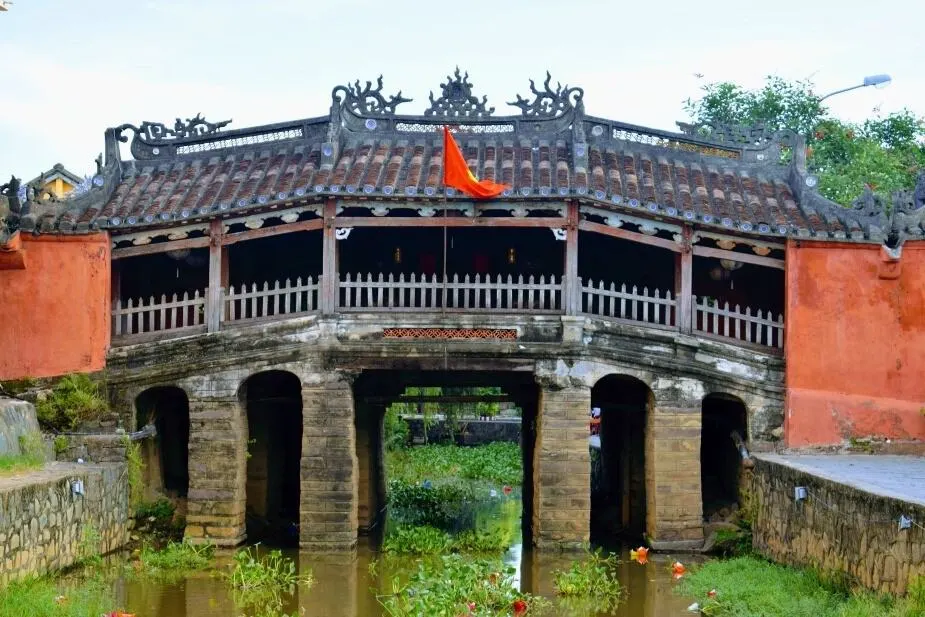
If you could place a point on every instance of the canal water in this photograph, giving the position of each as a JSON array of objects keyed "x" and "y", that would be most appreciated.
[{"x": 344, "y": 587}]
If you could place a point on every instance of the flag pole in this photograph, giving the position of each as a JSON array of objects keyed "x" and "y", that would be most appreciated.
[{"x": 445, "y": 248}]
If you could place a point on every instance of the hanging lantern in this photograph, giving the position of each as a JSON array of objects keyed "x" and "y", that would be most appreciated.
[
  {"x": 730, "y": 265},
  {"x": 511, "y": 256},
  {"x": 396, "y": 256},
  {"x": 178, "y": 254}
]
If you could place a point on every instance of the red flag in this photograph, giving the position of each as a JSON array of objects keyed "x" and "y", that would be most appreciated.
[{"x": 456, "y": 173}]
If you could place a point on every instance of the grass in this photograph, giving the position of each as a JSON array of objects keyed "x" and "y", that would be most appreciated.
[
  {"x": 43, "y": 597},
  {"x": 499, "y": 462},
  {"x": 31, "y": 456},
  {"x": 752, "y": 587},
  {"x": 589, "y": 583},
  {"x": 175, "y": 559}
]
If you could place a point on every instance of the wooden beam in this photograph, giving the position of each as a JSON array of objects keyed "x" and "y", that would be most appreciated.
[
  {"x": 328, "y": 298},
  {"x": 266, "y": 232},
  {"x": 572, "y": 291},
  {"x": 684, "y": 285},
  {"x": 616, "y": 232},
  {"x": 758, "y": 260},
  {"x": 160, "y": 247},
  {"x": 214, "y": 298},
  {"x": 449, "y": 221}
]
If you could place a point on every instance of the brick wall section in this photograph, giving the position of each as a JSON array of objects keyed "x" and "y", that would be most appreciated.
[
  {"x": 562, "y": 469},
  {"x": 330, "y": 468},
  {"x": 674, "y": 509},
  {"x": 217, "y": 471},
  {"x": 858, "y": 534}
]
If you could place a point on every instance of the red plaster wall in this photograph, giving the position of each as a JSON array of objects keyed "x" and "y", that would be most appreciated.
[
  {"x": 54, "y": 314},
  {"x": 855, "y": 344}
]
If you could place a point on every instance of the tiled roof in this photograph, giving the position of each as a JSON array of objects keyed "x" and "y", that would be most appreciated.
[{"x": 732, "y": 179}]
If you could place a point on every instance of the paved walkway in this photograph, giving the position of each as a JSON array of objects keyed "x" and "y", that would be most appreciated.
[{"x": 896, "y": 477}]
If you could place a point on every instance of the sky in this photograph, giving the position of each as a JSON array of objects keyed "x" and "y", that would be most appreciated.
[{"x": 71, "y": 68}]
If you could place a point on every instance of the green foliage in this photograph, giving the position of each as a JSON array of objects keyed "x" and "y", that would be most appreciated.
[
  {"x": 750, "y": 586},
  {"x": 454, "y": 585},
  {"x": 31, "y": 455},
  {"x": 43, "y": 597},
  {"x": 260, "y": 582},
  {"x": 440, "y": 505},
  {"x": 733, "y": 543},
  {"x": 88, "y": 550},
  {"x": 884, "y": 152},
  {"x": 75, "y": 399},
  {"x": 591, "y": 583},
  {"x": 453, "y": 413},
  {"x": 417, "y": 540},
  {"x": 396, "y": 432},
  {"x": 135, "y": 469},
  {"x": 161, "y": 510},
  {"x": 62, "y": 443},
  {"x": 498, "y": 462},
  {"x": 175, "y": 559}
]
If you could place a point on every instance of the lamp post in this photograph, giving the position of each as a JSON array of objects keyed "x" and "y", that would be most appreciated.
[{"x": 870, "y": 80}]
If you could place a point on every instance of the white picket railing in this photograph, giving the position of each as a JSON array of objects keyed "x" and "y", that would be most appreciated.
[
  {"x": 289, "y": 300},
  {"x": 655, "y": 308},
  {"x": 176, "y": 314},
  {"x": 479, "y": 293},
  {"x": 759, "y": 329}
]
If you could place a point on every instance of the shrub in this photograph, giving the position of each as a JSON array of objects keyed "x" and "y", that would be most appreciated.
[
  {"x": 396, "y": 431},
  {"x": 161, "y": 510},
  {"x": 75, "y": 399}
]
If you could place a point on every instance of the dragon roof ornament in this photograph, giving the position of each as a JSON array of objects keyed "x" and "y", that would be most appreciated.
[
  {"x": 457, "y": 99},
  {"x": 367, "y": 101},
  {"x": 157, "y": 132},
  {"x": 550, "y": 103}
]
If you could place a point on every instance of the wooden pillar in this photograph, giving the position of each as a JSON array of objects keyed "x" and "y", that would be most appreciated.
[
  {"x": 225, "y": 279},
  {"x": 329, "y": 261},
  {"x": 215, "y": 297},
  {"x": 684, "y": 262},
  {"x": 572, "y": 287}
]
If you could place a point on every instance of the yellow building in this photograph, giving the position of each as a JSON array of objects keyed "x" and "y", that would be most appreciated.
[{"x": 57, "y": 180}]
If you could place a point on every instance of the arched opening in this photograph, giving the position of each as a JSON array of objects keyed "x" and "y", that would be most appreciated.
[
  {"x": 165, "y": 457},
  {"x": 274, "y": 450},
  {"x": 720, "y": 460},
  {"x": 618, "y": 481}
]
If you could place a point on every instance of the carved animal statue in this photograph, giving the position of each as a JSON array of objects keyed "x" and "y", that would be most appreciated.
[{"x": 10, "y": 190}]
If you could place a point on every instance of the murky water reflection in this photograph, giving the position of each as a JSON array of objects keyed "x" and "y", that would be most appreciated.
[{"x": 344, "y": 587}]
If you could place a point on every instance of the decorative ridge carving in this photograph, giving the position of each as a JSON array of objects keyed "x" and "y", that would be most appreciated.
[
  {"x": 367, "y": 101},
  {"x": 868, "y": 203},
  {"x": 457, "y": 99},
  {"x": 158, "y": 133},
  {"x": 753, "y": 136},
  {"x": 550, "y": 103}
]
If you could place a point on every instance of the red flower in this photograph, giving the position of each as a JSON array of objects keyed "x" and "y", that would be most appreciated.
[
  {"x": 819, "y": 135},
  {"x": 471, "y": 606},
  {"x": 507, "y": 490},
  {"x": 519, "y": 606}
]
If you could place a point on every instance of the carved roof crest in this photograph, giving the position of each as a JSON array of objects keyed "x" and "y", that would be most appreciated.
[
  {"x": 550, "y": 103},
  {"x": 367, "y": 101},
  {"x": 737, "y": 135},
  {"x": 457, "y": 99},
  {"x": 156, "y": 132}
]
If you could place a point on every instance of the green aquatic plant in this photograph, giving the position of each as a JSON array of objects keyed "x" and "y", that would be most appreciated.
[
  {"x": 175, "y": 559},
  {"x": 590, "y": 582},
  {"x": 454, "y": 585},
  {"x": 417, "y": 540},
  {"x": 259, "y": 582},
  {"x": 45, "y": 597},
  {"x": 500, "y": 463}
]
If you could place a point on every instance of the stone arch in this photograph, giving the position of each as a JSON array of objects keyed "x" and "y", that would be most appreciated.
[
  {"x": 272, "y": 403},
  {"x": 618, "y": 482},
  {"x": 722, "y": 414},
  {"x": 166, "y": 457}
]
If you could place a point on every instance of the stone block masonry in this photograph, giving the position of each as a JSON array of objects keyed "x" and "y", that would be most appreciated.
[
  {"x": 330, "y": 467},
  {"x": 562, "y": 469},
  {"x": 44, "y": 526},
  {"x": 839, "y": 527}
]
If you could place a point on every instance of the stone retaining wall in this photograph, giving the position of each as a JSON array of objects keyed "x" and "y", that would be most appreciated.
[
  {"x": 836, "y": 528},
  {"x": 17, "y": 419},
  {"x": 44, "y": 526}
]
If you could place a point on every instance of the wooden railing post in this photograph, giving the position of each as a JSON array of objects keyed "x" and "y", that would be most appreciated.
[
  {"x": 214, "y": 300},
  {"x": 684, "y": 262},
  {"x": 329, "y": 274},
  {"x": 572, "y": 286}
]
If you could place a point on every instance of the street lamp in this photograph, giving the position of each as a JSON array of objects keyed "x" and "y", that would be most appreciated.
[{"x": 870, "y": 80}]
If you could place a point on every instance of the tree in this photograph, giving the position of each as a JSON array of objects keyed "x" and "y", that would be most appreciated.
[{"x": 884, "y": 152}]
